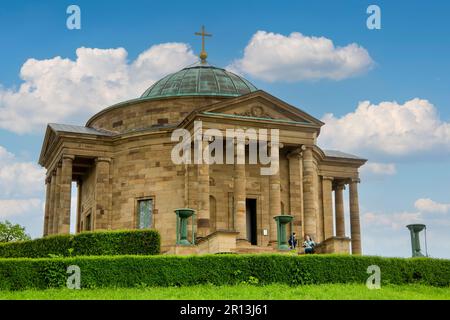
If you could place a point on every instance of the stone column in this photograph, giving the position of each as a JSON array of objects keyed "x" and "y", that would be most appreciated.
[
  {"x": 51, "y": 204},
  {"x": 355, "y": 228},
  {"x": 203, "y": 212},
  {"x": 339, "y": 208},
  {"x": 57, "y": 203},
  {"x": 319, "y": 206},
  {"x": 296, "y": 188},
  {"x": 186, "y": 185},
  {"x": 47, "y": 205},
  {"x": 240, "y": 195},
  {"x": 327, "y": 207},
  {"x": 103, "y": 194},
  {"x": 65, "y": 194},
  {"x": 191, "y": 188},
  {"x": 274, "y": 201},
  {"x": 309, "y": 193},
  {"x": 78, "y": 222}
]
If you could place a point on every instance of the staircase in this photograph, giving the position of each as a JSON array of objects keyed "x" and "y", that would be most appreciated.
[{"x": 256, "y": 250}]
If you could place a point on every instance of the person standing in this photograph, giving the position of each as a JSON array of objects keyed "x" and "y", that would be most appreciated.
[{"x": 293, "y": 241}]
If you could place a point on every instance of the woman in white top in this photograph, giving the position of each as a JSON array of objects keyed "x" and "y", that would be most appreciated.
[{"x": 308, "y": 244}]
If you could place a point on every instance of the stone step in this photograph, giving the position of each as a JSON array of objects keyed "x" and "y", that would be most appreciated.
[{"x": 254, "y": 249}]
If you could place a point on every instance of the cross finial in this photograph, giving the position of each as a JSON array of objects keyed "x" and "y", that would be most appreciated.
[{"x": 203, "y": 34}]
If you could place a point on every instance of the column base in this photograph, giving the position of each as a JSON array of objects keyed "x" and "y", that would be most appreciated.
[
  {"x": 334, "y": 245},
  {"x": 64, "y": 229},
  {"x": 242, "y": 243},
  {"x": 273, "y": 243}
]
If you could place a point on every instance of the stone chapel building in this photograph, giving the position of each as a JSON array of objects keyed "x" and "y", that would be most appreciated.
[{"x": 121, "y": 162}]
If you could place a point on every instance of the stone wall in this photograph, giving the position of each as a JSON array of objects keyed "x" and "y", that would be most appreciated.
[
  {"x": 144, "y": 169},
  {"x": 148, "y": 113}
]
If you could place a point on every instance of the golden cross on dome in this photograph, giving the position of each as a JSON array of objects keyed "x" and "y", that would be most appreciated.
[{"x": 203, "y": 34}]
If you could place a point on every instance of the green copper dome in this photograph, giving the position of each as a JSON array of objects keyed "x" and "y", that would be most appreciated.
[{"x": 200, "y": 80}]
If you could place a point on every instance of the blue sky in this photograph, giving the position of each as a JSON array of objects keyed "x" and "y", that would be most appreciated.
[{"x": 409, "y": 59}]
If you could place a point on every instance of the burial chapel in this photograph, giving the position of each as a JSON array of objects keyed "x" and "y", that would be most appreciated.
[{"x": 122, "y": 163}]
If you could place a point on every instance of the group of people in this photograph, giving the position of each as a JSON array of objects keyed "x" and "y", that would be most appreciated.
[{"x": 308, "y": 243}]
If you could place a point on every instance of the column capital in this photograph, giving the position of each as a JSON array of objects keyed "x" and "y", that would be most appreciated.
[
  {"x": 339, "y": 184},
  {"x": 102, "y": 159},
  {"x": 295, "y": 154},
  {"x": 308, "y": 153},
  {"x": 68, "y": 157},
  {"x": 327, "y": 178},
  {"x": 278, "y": 145},
  {"x": 355, "y": 180}
]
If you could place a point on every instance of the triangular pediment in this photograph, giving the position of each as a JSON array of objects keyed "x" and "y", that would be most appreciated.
[
  {"x": 257, "y": 109},
  {"x": 260, "y": 105},
  {"x": 49, "y": 139}
]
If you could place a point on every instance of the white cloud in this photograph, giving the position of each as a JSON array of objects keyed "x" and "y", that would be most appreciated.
[
  {"x": 377, "y": 168},
  {"x": 19, "y": 178},
  {"x": 385, "y": 233},
  {"x": 428, "y": 205},
  {"x": 5, "y": 156},
  {"x": 388, "y": 128},
  {"x": 275, "y": 57},
  {"x": 21, "y": 188},
  {"x": 58, "y": 89},
  {"x": 393, "y": 221},
  {"x": 397, "y": 220},
  {"x": 14, "y": 207}
]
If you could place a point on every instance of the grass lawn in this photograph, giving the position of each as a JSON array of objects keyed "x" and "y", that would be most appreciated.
[{"x": 244, "y": 292}]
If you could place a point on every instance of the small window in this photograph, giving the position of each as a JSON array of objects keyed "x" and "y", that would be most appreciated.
[
  {"x": 145, "y": 213},
  {"x": 88, "y": 222}
]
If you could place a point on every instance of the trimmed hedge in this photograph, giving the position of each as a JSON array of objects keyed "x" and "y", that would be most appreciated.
[
  {"x": 136, "y": 271},
  {"x": 142, "y": 242}
]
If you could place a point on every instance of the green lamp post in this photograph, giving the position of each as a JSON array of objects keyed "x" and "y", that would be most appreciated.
[
  {"x": 415, "y": 229},
  {"x": 183, "y": 215},
  {"x": 282, "y": 221}
]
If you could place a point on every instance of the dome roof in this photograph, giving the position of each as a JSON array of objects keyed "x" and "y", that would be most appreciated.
[{"x": 200, "y": 80}]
